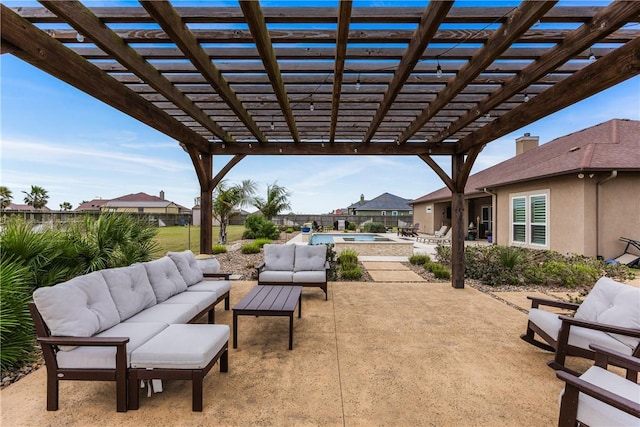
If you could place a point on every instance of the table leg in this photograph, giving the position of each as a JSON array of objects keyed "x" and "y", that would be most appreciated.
[
  {"x": 291, "y": 331},
  {"x": 235, "y": 329},
  {"x": 300, "y": 306}
]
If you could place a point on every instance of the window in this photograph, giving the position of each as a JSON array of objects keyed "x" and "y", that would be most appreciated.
[
  {"x": 383, "y": 213},
  {"x": 394, "y": 213},
  {"x": 529, "y": 215}
]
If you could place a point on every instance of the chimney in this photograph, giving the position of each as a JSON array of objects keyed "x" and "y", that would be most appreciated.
[
  {"x": 162, "y": 194},
  {"x": 361, "y": 198},
  {"x": 526, "y": 143}
]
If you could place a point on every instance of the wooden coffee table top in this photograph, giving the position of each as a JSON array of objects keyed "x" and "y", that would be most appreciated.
[{"x": 269, "y": 300}]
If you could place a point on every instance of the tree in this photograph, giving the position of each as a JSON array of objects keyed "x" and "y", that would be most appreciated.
[
  {"x": 5, "y": 197},
  {"x": 227, "y": 202},
  {"x": 66, "y": 206},
  {"x": 277, "y": 201},
  {"x": 38, "y": 197}
]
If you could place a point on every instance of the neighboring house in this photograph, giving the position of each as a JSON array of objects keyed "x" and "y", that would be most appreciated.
[
  {"x": 576, "y": 194},
  {"x": 143, "y": 203},
  {"x": 25, "y": 208},
  {"x": 384, "y": 205},
  {"x": 92, "y": 206}
]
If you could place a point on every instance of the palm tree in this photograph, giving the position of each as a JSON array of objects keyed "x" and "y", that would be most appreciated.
[
  {"x": 66, "y": 206},
  {"x": 277, "y": 201},
  {"x": 37, "y": 198},
  {"x": 227, "y": 201},
  {"x": 5, "y": 197}
]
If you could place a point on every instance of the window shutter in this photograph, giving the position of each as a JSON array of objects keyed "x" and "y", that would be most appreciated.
[
  {"x": 519, "y": 219},
  {"x": 539, "y": 220}
]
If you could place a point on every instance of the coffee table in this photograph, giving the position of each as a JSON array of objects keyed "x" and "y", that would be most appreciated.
[{"x": 269, "y": 300}]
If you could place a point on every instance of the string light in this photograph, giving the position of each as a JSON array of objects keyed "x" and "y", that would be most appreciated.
[
  {"x": 358, "y": 83},
  {"x": 592, "y": 56},
  {"x": 311, "y": 107},
  {"x": 273, "y": 126},
  {"x": 80, "y": 37},
  {"x": 526, "y": 97},
  {"x": 487, "y": 116},
  {"x": 438, "y": 69}
]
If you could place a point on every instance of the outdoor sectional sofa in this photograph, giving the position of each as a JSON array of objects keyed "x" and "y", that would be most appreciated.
[
  {"x": 291, "y": 264},
  {"x": 133, "y": 323}
]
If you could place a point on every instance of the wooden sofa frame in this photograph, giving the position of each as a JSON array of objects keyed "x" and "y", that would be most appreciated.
[
  {"x": 561, "y": 347},
  {"x": 55, "y": 374},
  {"x": 576, "y": 385}
]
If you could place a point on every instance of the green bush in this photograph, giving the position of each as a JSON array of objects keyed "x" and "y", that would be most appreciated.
[
  {"x": 374, "y": 227},
  {"x": 348, "y": 257},
  {"x": 262, "y": 241},
  {"x": 419, "y": 259},
  {"x": 350, "y": 272},
  {"x": 250, "y": 248},
  {"x": 352, "y": 226},
  {"x": 16, "y": 326},
  {"x": 257, "y": 226},
  {"x": 440, "y": 271},
  {"x": 289, "y": 230},
  {"x": 219, "y": 249}
]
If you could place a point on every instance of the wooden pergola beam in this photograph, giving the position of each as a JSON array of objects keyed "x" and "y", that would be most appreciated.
[
  {"x": 519, "y": 21},
  {"x": 344, "y": 17},
  {"x": 85, "y": 22},
  {"x": 165, "y": 14},
  {"x": 432, "y": 16},
  {"x": 43, "y": 52},
  {"x": 258, "y": 27},
  {"x": 230, "y": 164},
  {"x": 606, "y": 72},
  {"x": 336, "y": 148},
  {"x": 605, "y": 22}
]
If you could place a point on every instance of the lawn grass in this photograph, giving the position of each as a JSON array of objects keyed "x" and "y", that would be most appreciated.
[{"x": 176, "y": 238}]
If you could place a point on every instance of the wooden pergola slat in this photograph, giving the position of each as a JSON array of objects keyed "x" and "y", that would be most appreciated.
[{"x": 344, "y": 17}]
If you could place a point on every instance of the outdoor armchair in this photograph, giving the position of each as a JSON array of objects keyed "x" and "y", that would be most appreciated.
[
  {"x": 601, "y": 397},
  {"x": 609, "y": 316}
]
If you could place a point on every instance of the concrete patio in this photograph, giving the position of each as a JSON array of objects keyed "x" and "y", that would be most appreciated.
[{"x": 384, "y": 353}]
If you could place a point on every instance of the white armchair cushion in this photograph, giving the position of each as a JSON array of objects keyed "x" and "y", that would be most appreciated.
[
  {"x": 278, "y": 257},
  {"x": 130, "y": 289},
  {"x": 578, "y": 337},
  {"x": 105, "y": 357},
  {"x": 181, "y": 347},
  {"x": 80, "y": 307},
  {"x": 613, "y": 303},
  {"x": 594, "y": 412},
  {"x": 165, "y": 278},
  {"x": 188, "y": 266},
  {"x": 310, "y": 258}
]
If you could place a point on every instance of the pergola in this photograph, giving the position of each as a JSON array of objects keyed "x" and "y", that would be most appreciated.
[{"x": 343, "y": 80}]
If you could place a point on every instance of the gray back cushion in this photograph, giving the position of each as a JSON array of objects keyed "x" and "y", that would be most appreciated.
[
  {"x": 278, "y": 257},
  {"x": 130, "y": 289},
  {"x": 310, "y": 258},
  {"x": 80, "y": 307},
  {"x": 165, "y": 278},
  {"x": 187, "y": 266}
]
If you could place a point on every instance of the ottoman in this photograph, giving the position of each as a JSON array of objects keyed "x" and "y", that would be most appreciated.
[{"x": 181, "y": 352}]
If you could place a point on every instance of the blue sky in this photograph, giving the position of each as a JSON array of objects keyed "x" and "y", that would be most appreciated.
[{"x": 77, "y": 148}]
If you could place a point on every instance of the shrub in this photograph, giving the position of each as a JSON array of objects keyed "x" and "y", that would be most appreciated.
[
  {"x": 16, "y": 326},
  {"x": 440, "y": 271},
  {"x": 348, "y": 257},
  {"x": 510, "y": 256},
  {"x": 350, "y": 273},
  {"x": 289, "y": 230},
  {"x": 250, "y": 248},
  {"x": 352, "y": 226},
  {"x": 262, "y": 241},
  {"x": 443, "y": 254},
  {"x": 331, "y": 258},
  {"x": 419, "y": 259},
  {"x": 257, "y": 226},
  {"x": 219, "y": 249},
  {"x": 374, "y": 227}
]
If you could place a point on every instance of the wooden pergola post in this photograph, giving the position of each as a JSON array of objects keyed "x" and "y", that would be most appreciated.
[
  {"x": 206, "y": 205},
  {"x": 457, "y": 221}
]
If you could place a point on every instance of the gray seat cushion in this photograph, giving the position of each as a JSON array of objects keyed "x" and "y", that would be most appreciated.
[
  {"x": 165, "y": 278},
  {"x": 167, "y": 313},
  {"x": 130, "y": 289},
  {"x": 181, "y": 347},
  {"x": 276, "y": 277},
  {"x": 220, "y": 287},
  {"x": 309, "y": 277},
  {"x": 80, "y": 307},
  {"x": 105, "y": 357},
  {"x": 202, "y": 300}
]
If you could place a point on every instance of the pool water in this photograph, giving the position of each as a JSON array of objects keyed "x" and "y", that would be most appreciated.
[{"x": 318, "y": 239}]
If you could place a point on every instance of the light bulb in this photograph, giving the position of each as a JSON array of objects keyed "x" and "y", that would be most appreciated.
[
  {"x": 526, "y": 97},
  {"x": 487, "y": 116},
  {"x": 80, "y": 37},
  {"x": 280, "y": 150},
  {"x": 250, "y": 146},
  {"x": 273, "y": 126},
  {"x": 311, "y": 107},
  {"x": 355, "y": 150},
  {"x": 592, "y": 56},
  {"x": 358, "y": 84},
  {"x": 439, "y": 71}
]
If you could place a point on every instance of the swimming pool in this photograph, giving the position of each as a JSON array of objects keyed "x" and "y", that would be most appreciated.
[{"x": 317, "y": 239}]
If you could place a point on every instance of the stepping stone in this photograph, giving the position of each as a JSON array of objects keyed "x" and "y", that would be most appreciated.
[
  {"x": 395, "y": 266},
  {"x": 395, "y": 276}
]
